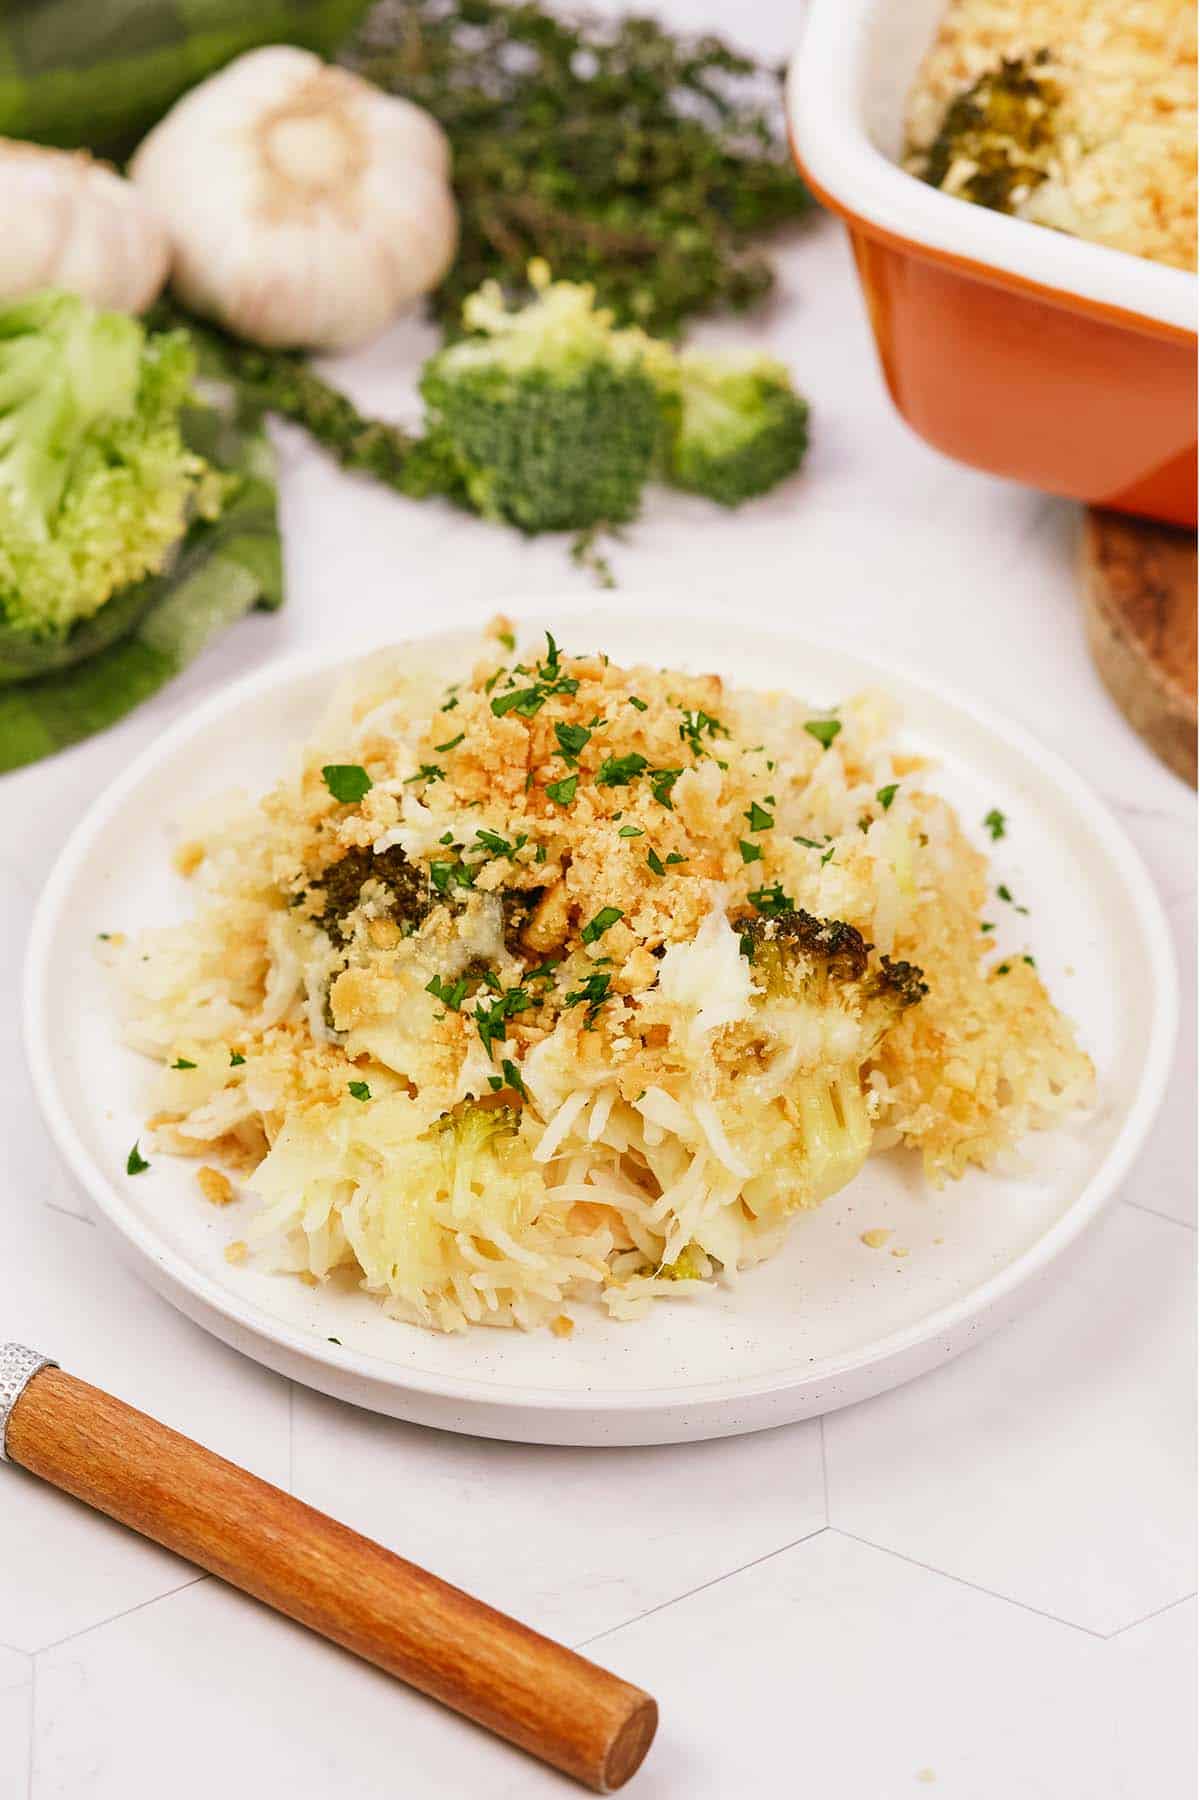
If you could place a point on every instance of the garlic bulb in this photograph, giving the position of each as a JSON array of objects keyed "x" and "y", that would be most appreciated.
[
  {"x": 304, "y": 206},
  {"x": 69, "y": 222}
]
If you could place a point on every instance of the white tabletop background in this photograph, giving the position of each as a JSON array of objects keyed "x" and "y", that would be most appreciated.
[{"x": 979, "y": 1586}]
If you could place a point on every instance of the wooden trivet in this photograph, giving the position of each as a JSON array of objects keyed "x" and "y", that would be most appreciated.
[{"x": 1139, "y": 587}]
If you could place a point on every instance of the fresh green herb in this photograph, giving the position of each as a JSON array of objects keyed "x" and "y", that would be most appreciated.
[
  {"x": 864, "y": 824},
  {"x": 499, "y": 846},
  {"x": 508, "y": 639},
  {"x": 746, "y": 945},
  {"x": 359, "y": 1089},
  {"x": 450, "y": 744},
  {"x": 450, "y": 993},
  {"x": 604, "y": 919},
  {"x": 1030, "y": 961},
  {"x": 771, "y": 901},
  {"x": 986, "y": 925},
  {"x": 661, "y": 783},
  {"x": 236, "y": 1059},
  {"x": 135, "y": 1162},
  {"x": 828, "y": 855},
  {"x": 622, "y": 153},
  {"x": 759, "y": 819},
  {"x": 448, "y": 875},
  {"x": 809, "y": 843},
  {"x": 491, "y": 1017},
  {"x": 675, "y": 858},
  {"x": 544, "y": 970},
  {"x": 996, "y": 823},
  {"x": 885, "y": 795},
  {"x": 619, "y": 771},
  {"x": 750, "y": 852},
  {"x": 451, "y": 703},
  {"x": 563, "y": 792},
  {"x": 824, "y": 730},
  {"x": 571, "y": 739},
  {"x": 593, "y": 992},
  {"x": 428, "y": 772},
  {"x": 696, "y": 725},
  {"x": 512, "y": 1076},
  {"x": 1003, "y": 968},
  {"x": 655, "y": 861},
  {"x": 631, "y": 831},
  {"x": 539, "y": 854},
  {"x": 104, "y": 936},
  {"x": 1002, "y": 893},
  {"x": 495, "y": 1082},
  {"x": 347, "y": 782},
  {"x": 181, "y": 1062},
  {"x": 640, "y": 704}
]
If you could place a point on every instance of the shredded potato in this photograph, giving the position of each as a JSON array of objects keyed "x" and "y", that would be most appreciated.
[{"x": 555, "y": 979}]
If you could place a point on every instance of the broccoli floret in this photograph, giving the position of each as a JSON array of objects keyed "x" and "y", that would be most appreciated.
[
  {"x": 549, "y": 417},
  {"x": 340, "y": 887},
  {"x": 826, "y": 1006},
  {"x": 96, "y": 484},
  {"x": 996, "y": 137},
  {"x": 480, "y": 1149},
  {"x": 737, "y": 426}
]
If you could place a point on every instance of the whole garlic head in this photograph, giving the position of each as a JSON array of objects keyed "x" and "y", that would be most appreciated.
[
  {"x": 304, "y": 206},
  {"x": 70, "y": 222}
]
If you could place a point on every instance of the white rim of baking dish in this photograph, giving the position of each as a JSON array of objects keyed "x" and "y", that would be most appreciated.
[
  {"x": 825, "y": 98},
  {"x": 238, "y": 1320}
]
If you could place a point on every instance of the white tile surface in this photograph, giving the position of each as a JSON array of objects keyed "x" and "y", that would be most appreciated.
[
  {"x": 16, "y": 1696},
  {"x": 1054, "y": 1463},
  {"x": 1051, "y": 1465},
  {"x": 62, "y": 1567},
  {"x": 572, "y": 1541}
]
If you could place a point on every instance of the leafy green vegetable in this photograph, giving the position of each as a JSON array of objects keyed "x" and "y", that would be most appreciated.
[
  {"x": 824, "y": 730},
  {"x": 563, "y": 792},
  {"x": 135, "y": 1162},
  {"x": 996, "y": 823},
  {"x": 603, "y": 921}
]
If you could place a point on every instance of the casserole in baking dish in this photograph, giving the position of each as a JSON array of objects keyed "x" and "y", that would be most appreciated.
[{"x": 1063, "y": 363}]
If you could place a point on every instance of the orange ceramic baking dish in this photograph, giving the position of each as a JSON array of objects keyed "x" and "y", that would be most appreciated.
[{"x": 1060, "y": 363}]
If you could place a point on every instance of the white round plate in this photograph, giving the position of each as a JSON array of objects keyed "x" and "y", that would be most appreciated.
[{"x": 828, "y": 1321}]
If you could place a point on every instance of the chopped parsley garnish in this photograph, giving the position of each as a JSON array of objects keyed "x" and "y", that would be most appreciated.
[
  {"x": 181, "y": 1062},
  {"x": 986, "y": 925},
  {"x": 450, "y": 744},
  {"x": 750, "y": 852},
  {"x": 236, "y": 1059},
  {"x": 675, "y": 858},
  {"x": 885, "y": 795},
  {"x": 500, "y": 846},
  {"x": 828, "y": 856},
  {"x": 864, "y": 824},
  {"x": 563, "y": 792},
  {"x": 447, "y": 837},
  {"x": 758, "y": 817},
  {"x": 1030, "y": 961},
  {"x": 824, "y": 730},
  {"x": 447, "y": 875},
  {"x": 771, "y": 901},
  {"x": 604, "y": 919},
  {"x": 495, "y": 1082},
  {"x": 661, "y": 783},
  {"x": 546, "y": 681},
  {"x": 135, "y": 1162},
  {"x": 1002, "y": 893},
  {"x": 619, "y": 771},
  {"x": 656, "y": 862},
  {"x": 451, "y": 703},
  {"x": 996, "y": 823},
  {"x": 1003, "y": 968},
  {"x": 512, "y": 1076},
  {"x": 696, "y": 725},
  {"x": 544, "y": 970},
  {"x": 508, "y": 639},
  {"x": 593, "y": 993},
  {"x": 628, "y": 831},
  {"x": 347, "y": 782},
  {"x": 359, "y": 1089},
  {"x": 746, "y": 945},
  {"x": 809, "y": 843},
  {"x": 571, "y": 739},
  {"x": 640, "y": 704},
  {"x": 450, "y": 993},
  {"x": 491, "y": 1017}
]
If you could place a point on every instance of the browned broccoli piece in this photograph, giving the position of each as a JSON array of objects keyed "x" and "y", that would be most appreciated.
[
  {"x": 1003, "y": 127},
  {"x": 340, "y": 888}
]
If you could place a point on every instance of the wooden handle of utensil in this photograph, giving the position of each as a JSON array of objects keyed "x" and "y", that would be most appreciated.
[{"x": 513, "y": 1681}]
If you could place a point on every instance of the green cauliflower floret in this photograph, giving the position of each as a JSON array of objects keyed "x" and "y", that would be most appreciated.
[
  {"x": 96, "y": 484},
  {"x": 549, "y": 417},
  {"x": 996, "y": 138},
  {"x": 827, "y": 1005},
  {"x": 738, "y": 427}
]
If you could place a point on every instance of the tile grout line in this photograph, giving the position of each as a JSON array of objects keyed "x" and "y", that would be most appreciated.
[
  {"x": 677, "y": 1599},
  {"x": 1145, "y": 1620},
  {"x": 98, "y": 1624},
  {"x": 1167, "y": 1218},
  {"x": 975, "y": 1587}
]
